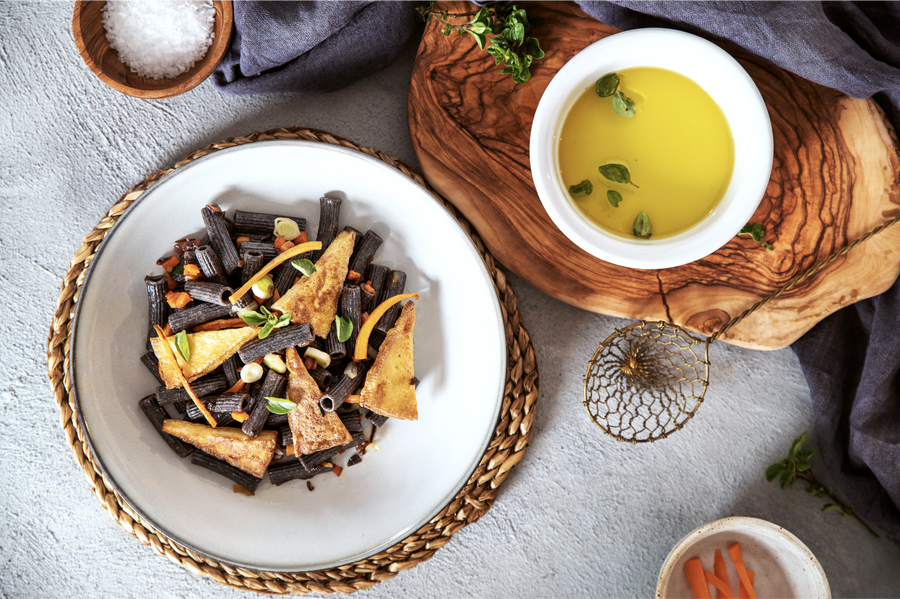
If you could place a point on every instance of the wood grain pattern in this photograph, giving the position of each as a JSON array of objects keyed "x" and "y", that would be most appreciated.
[
  {"x": 90, "y": 39},
  {"x": 836, "y": 175}
]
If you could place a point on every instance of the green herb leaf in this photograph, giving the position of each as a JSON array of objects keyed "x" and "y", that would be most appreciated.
[
  {"x": 304, "y": 265},
  {"x": 178, "y": 269},
  {"x": 773, "y": 471},
  {"x": 614, "y": 197},
  {"x": 831, "y": 507},
  {"x": 344, "y": 328},
  {"x": 278, "y": 405},
  {"x": 768, "y": 246},
  {"x": 617, "y": 173},
  {"x": 254, "y": 319},
  {"x": 623, "y": 105},
  {"x": 184, "y": 348},
  {"x": 607, "y": 85},
  {"x": 266, "y": 330},
  {"x": 282, "y": 321},
  {"x": 641, "y": 227},
  {"x": 757, "y": 231},
  {"x": 583, "y": 189}
]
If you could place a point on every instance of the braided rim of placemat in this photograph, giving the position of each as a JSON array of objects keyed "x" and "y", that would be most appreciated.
[{"x": 505, "y": 449}]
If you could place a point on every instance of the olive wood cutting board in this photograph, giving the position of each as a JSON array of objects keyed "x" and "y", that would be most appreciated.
[{"x": 836, "y": 175}]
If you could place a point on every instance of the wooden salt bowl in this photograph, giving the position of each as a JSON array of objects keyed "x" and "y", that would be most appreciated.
[
  {"x": 836, "y": 175},
  {"x": 90, "y": 39}
]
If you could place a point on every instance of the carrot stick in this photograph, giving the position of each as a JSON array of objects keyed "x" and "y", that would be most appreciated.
[
  {"x": 238, "y": 387},
  {"x": 218, "y": 325},
  {"x": 362, "y": 340},
  {"x": 282, "y": 257},
  {"x": 184, "y": 381},
  {"x": 742, "y": 591},
  {"x": 694, "y": 570},
  {"x": 722, "y": 589},
  {"x": 720, "y": 572},
  {"x": 735, "y": 552}
]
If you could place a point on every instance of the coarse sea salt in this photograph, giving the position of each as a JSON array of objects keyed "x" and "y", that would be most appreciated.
[{"x": 159, "y": 38}]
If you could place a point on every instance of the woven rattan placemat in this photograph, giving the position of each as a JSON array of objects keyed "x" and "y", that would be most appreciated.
[{"x": 506, "y": 448}]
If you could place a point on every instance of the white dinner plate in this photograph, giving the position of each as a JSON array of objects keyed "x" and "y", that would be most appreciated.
[{"x": 460, "y": 359}]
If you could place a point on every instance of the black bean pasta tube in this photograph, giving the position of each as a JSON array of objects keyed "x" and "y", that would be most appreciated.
[
  {"x": 220, "y": 237},
  {"x": 211, "y": 264},
  {"x": 157, "y": 287}
]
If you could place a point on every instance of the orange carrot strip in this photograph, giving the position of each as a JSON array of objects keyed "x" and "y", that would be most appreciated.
[
  {"x": 721, "y": 587},
  {"x": 362, "y": 340},
  {"x": 282, "y": 257},
  {"x": 720, "y": 572},
  {"x": 742, "y": 590},
  {"x": 218, "y": 325},
  {"x": 289, "y": 450},
  {"x": 184, "y": 381},
  {"x": 170, "y": 282},
  {"x": 694, "y": 570},
  {"x": 238, "y": 387},
  {"x": 353, "y": 398},
  {"x": 240, "y": 416},
  {"x": 735, "y": 552},
  {"x": 241, "y": 240}
]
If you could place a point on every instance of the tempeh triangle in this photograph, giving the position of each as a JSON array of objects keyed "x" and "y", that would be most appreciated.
[
  {"x": 314, "y": 299},
  {"x": 250, "y": 454},
  {"x": 311, "y": 430},
  {"x": 390, "y": 388},
  {"x": 208, "y": 350}
]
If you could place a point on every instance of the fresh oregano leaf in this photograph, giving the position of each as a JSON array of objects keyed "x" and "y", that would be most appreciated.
[
  {"x": 641, "y": 227},
  {"x": 254, "y": 319},
  {"x": 757, "y": 231},
  {"x": 614, "y": 197},
  {"x": 583, "y": 189},
  {"x": 184, "y": 348},
  {"x": 304, "y": 265},
  {"x": 607, "y": 85},
  {"x": 344, "y": 328},
  {"x": 623, "y": 105},
  {"x": 278, "y": 405},
  {"x": 617, "y": 173}
]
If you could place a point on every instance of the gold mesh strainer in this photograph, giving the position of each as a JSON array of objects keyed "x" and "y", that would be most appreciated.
[{"x": 647, "y": 380}]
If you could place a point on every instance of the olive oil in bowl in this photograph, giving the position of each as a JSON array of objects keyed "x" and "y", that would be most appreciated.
[{"x": 678, "y": 149}]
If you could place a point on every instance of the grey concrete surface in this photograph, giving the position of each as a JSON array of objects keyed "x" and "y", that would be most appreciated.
[{"x": 581, "y": 516}]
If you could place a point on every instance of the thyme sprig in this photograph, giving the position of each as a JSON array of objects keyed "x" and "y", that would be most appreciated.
[
  {"x": 509, "y": 28},
  {"x": 796, "y": 466}
]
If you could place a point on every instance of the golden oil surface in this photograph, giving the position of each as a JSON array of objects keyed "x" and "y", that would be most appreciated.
[{"x": 678, "y": 147}]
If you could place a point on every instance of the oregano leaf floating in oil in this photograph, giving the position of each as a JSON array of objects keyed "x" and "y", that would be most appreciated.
[
  {"x": 641, "y": 227},
  {"x": 614, "y": 197},
  {"x": 583, "y": 189},
  {"x": 623, "y": 105},
  {"x": 617, "y": 173},
  {"x": 607, "y": 85}
]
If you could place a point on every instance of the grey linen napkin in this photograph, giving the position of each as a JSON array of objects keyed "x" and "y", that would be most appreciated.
[
  {"x": 312, "y": 46},
  {"x": 851, "y": 359}
]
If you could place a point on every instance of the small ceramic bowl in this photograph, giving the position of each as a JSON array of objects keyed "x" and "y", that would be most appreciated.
[
  {"x": 783, "y": 566},
  {"x": 729, "y": 85},
  {"x": 91, "y": 41}
]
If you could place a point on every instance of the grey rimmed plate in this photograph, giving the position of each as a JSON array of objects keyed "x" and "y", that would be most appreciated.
[{"x": 460, "y": 358}]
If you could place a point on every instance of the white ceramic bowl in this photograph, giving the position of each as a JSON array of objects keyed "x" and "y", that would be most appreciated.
[
  {"x": 783, "y": 565},
  {"x": 720, "y": 75}
]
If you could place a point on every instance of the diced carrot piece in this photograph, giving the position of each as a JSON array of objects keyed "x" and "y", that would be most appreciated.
[
  {"x": 286, "y": 246},
  {"x": 240, "y": 416},
  {"x": 722, "y": 589},
  {"x": 289, "y": 450},
  {"x": 303, "y": 237},
  {"x": 241, "y": 240},
  {"x": 338, "y": 470},
  {"x": 742, "y": 590},
  {"x": 278, "y": 242},
  {"x": 170, "y": 263},
  {"x": 310, "y": 363},
  {"x": 170, "y": 282},
  {"x": 191, "y": 271},
  {"x": 178, "y": 299},
  {"x": 735, "y": 552},
  {"x": 353, "y": 276},
  {"x": 694, "y": 570},
  {"x": 720, "y": 571}
]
